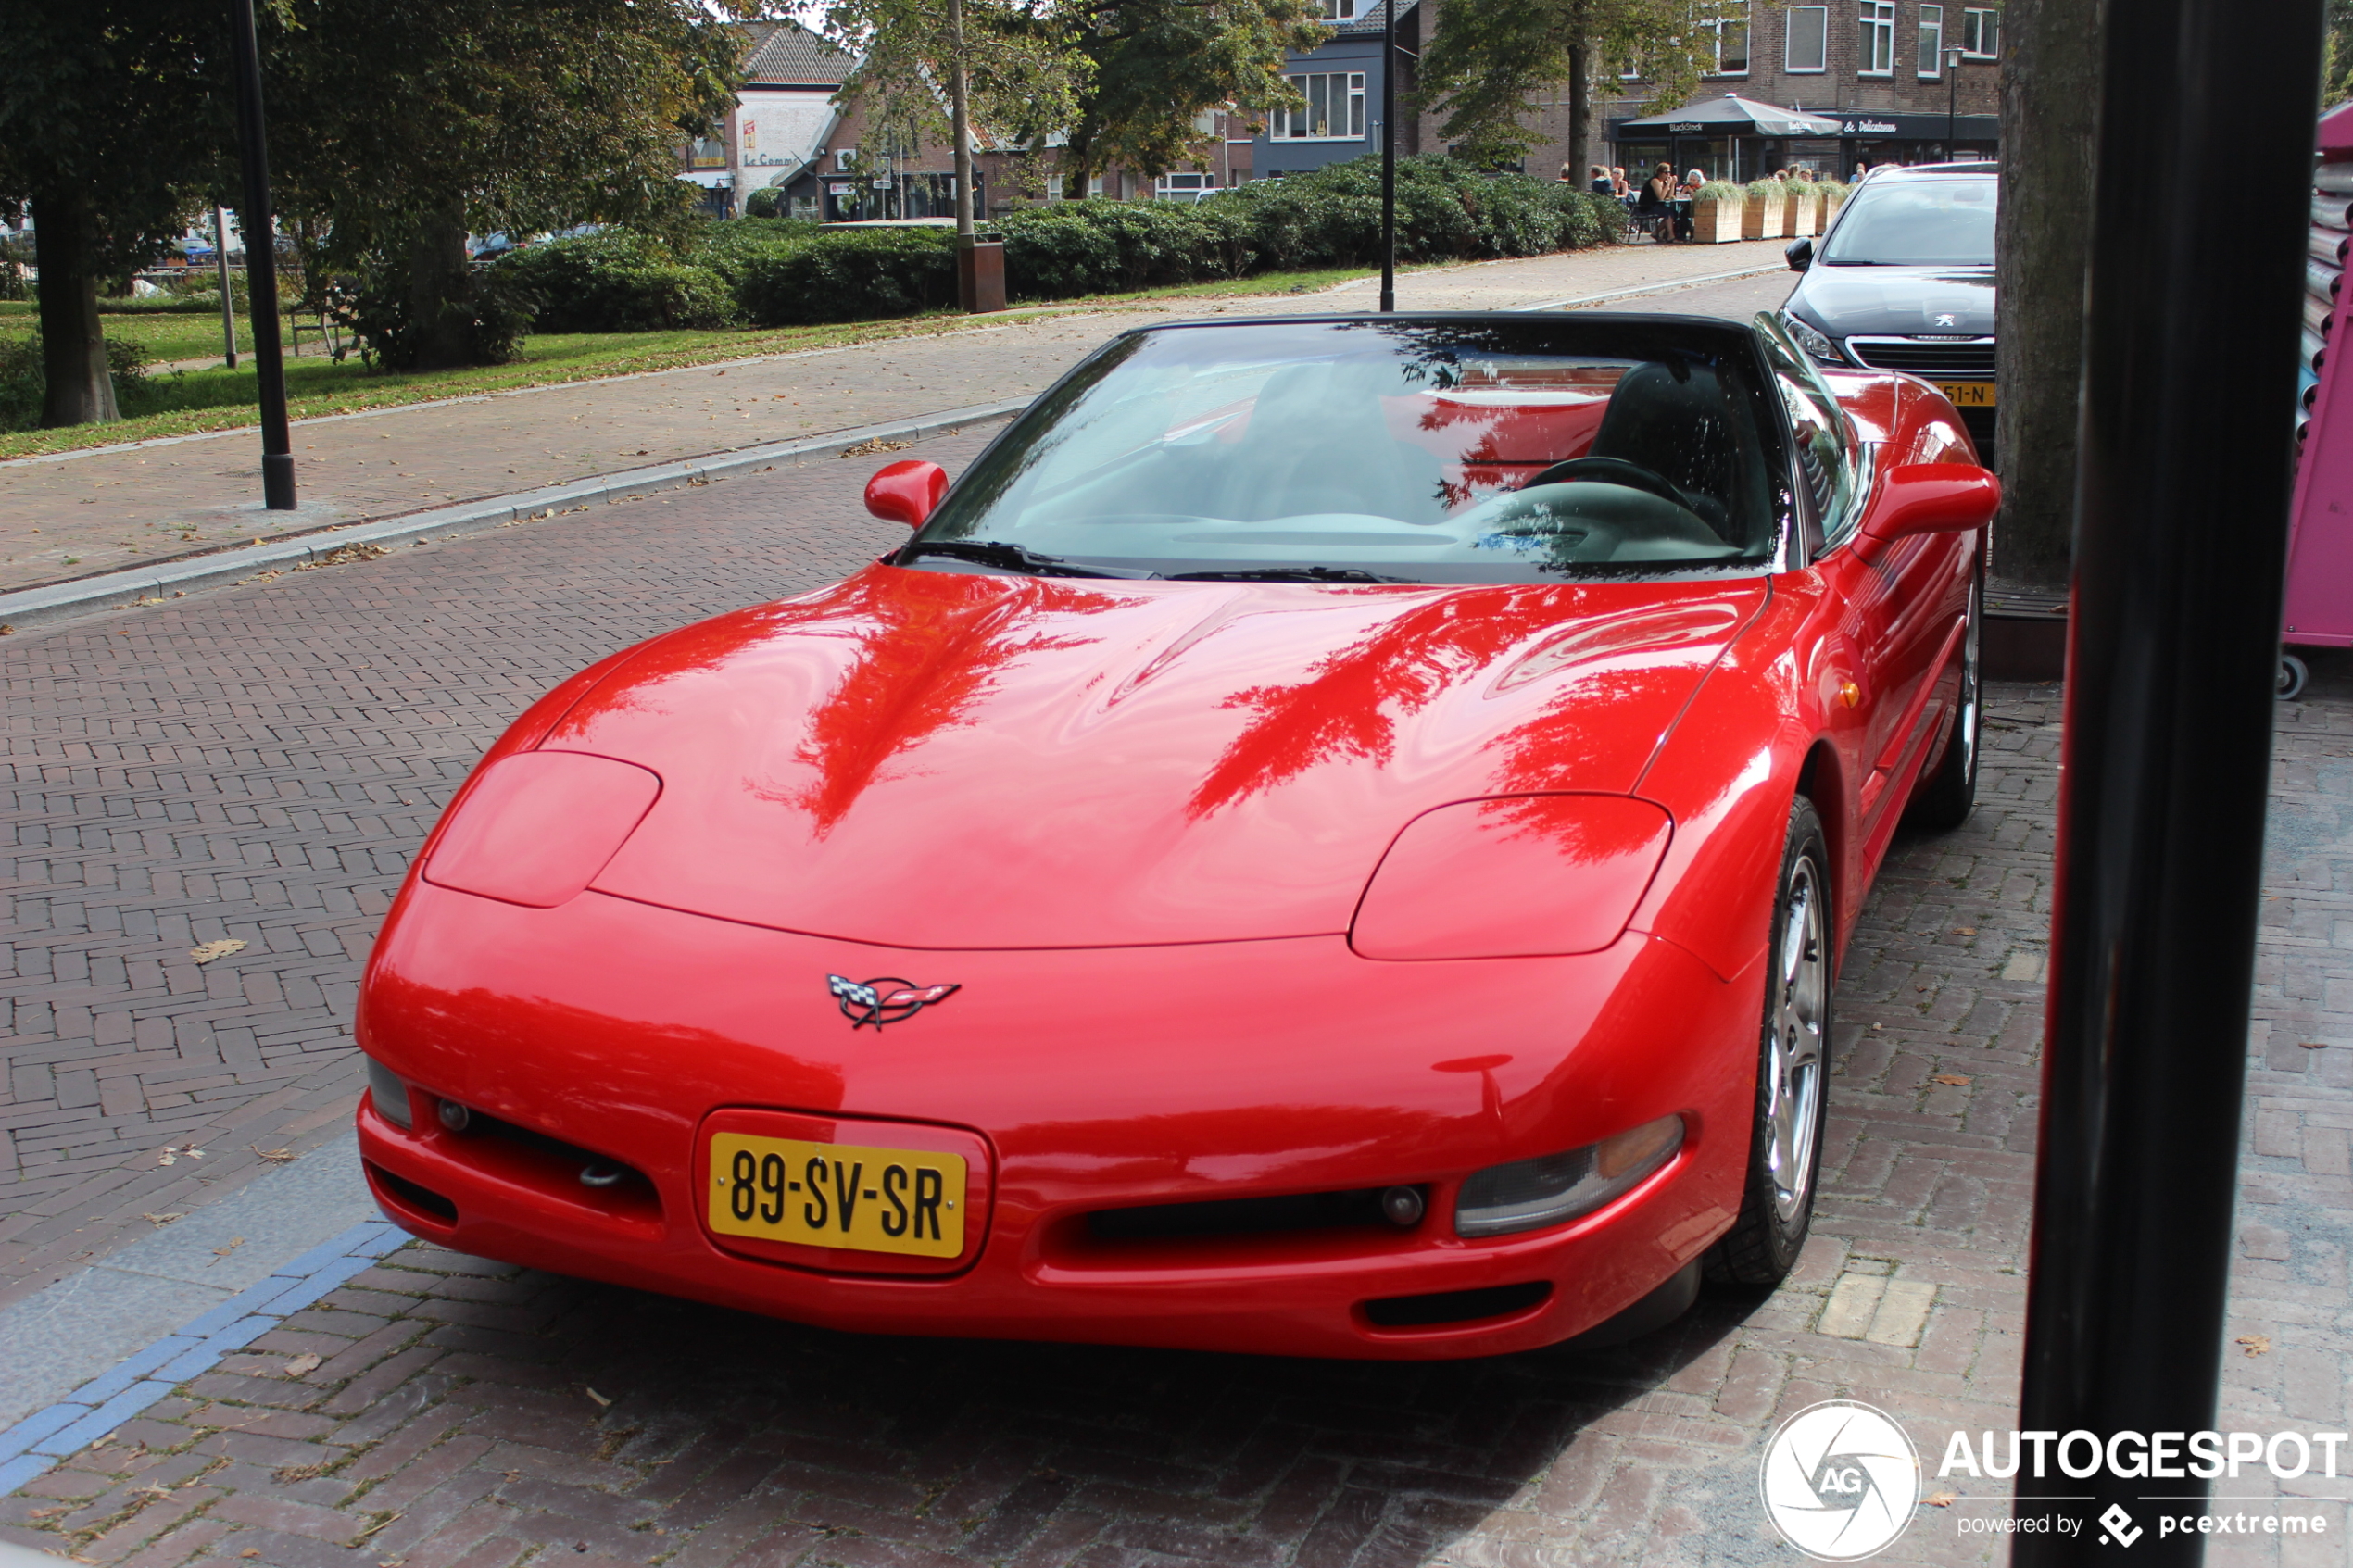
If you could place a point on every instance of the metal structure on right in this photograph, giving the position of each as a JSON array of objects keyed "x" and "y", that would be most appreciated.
[{"x": 2320, "y": 557}]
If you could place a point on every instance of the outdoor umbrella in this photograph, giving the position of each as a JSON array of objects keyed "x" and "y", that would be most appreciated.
[{"x": 1732, "y": 116}]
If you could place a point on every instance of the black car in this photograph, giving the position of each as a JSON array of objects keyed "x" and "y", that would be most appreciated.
[{"x": 1904, "y": 281}]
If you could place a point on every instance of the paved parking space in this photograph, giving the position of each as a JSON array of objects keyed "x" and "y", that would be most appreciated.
[{"x": 254, "y": 766}]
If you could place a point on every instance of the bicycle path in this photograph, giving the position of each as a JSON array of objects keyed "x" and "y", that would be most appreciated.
[{"x": 75, "y": 515}]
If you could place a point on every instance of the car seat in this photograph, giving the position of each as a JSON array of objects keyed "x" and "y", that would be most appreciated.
[{"x": 1671, "y": 418}]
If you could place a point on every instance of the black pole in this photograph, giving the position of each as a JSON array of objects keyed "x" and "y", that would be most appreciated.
[
  {"x": 2173, "y": 641},
  {"x": 228, "y": 300},
  {"x": 1389, "y": 156},
  {"x": 1951, "y": 95},
  {"x": 262, "y": 269}
]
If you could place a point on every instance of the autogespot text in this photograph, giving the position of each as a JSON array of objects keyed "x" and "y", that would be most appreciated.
[{"x": 2156, "y": 1456}]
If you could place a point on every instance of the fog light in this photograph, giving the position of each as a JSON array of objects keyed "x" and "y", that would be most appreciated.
[
  {"x": 1403, "y": 1206},
  {"x": 1530, "y": 1194},
  {"x": 455, "y": 1117},
  {"x": 391, "y": 1095}
]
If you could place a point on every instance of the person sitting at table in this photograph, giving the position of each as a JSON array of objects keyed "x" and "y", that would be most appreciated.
[
  {"x": 1619, "y": 187},
  {"x": 1651, "y": 207},
  {"x": 1598, "y": 182},
  {"x": 1693, "y": 181}
]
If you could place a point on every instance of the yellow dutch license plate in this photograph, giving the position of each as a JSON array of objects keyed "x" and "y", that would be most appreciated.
[
  {"x": 1968, "y": 393},
  {"x": 838, "y": 1195}
]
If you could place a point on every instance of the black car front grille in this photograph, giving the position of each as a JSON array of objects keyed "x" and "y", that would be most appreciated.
[{"x": 1974, "y": 358}]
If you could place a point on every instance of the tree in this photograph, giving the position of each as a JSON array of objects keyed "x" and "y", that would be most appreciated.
[
  {"x": 398, "y": 127},
  {"x": 2337, "y": 54},
  {"x": 1008, "y": 63},
  {"x": 1160, "y": 64},
  {"x": 115, "y": 118},
  {"x": 2050, "y": 103},
  {"x": 1489, "y": 60}
]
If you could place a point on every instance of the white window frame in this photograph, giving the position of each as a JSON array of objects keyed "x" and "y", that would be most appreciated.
[
  {"x": 1976, "y": 22},
  {"x": 845, "y": 160},
  {"x": 1339, "y": 10},
  {"x": 1818, "y": 18},
  {"x": 1877, "y": 42},
  {"x": 1715, "y": 21},
  {"x": 1930, "y": 64},
  {"x": 1316, "y": 88}
]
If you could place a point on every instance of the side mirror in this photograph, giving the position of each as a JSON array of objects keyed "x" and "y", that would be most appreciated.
[
  {"x": 1934, "y": 499},
  {"x": 906, "y": 491},
  {"x": 1800, "y": 254}
]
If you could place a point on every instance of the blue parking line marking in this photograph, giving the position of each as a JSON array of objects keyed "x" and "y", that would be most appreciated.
[{"x": 30, "y": 1447}]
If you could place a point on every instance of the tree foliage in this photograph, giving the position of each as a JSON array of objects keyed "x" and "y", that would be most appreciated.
[
  {"x": 1024, "y": 75},
  {"x": 1160, "y": 64},
  {"x": 1490, "y": 60},
  {"x": 400, "y": 125},
  {"x": 2336, "y": 57}
]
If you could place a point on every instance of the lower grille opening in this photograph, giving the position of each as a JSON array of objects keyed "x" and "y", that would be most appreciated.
[
  {"x": 409, "y": 1195},
  {"x": 1979, "y": 422},
  {"x": 579, "y": 1174},
  {"x": 1456, "y": 1306},
  {"x": 1241, "y": 1216}
]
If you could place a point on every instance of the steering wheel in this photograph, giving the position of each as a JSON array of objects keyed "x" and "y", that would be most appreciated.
[{"x": 1610, "y": 470}]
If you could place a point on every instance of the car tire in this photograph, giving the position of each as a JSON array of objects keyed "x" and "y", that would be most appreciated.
[
  {"x": 1945, "y": 798},
  {"x": 1793, "y": 1068}
]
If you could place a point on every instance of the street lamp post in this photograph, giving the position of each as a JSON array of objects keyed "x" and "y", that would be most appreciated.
[
  {"x": 1952, "y": 96},
  {"x": 1387, "y": 155},
  {"x": 262, "y": 267}
]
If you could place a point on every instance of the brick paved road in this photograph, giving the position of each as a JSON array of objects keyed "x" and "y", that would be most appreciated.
[{"x": 255, "y": 765}]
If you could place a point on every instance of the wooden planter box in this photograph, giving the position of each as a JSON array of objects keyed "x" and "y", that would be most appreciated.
[
  {"x": 1807, "y": 206},
  {"x": 1762, "y": 217},
  {"x": 1715, "y": 223}
]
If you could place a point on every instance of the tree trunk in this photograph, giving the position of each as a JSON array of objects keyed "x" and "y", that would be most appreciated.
[
  {"x": 2050, "y": 97},
  {"x": 960, "y": 121},
  {"x": 1580, "y": 113},
  {"x": 441, "y": 289},
  {"x": 73, "y": 346}
]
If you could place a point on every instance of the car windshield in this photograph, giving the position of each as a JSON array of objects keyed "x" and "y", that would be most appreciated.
[
  {"x": 1940, "y": 223},
  {"x": 1395, "y": 451}
]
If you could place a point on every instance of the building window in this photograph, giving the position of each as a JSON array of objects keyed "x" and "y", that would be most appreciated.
[
  {"x": 706, "y": 152},
  {"x": 1339, "y": 10},
  {"x": 1335, "y": 109},
  {"x": 1980, "y": 34},
  {"x": 846, "y": 160},
  {"x": 1724, "y": 38},
  {"x": 1878, "y": 57},
  {"x": 1931, "y": 64},
  {"x": 1809, "y": 38}
]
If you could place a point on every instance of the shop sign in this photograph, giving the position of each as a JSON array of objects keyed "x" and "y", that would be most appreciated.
[{"x": 1869, "y": 127}]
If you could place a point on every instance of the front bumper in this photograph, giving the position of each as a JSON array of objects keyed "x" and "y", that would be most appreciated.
[{"x": 1094, "y": 1079}]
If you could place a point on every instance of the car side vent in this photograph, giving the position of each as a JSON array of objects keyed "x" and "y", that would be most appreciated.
[
  {"x": 422, "y": 1200},
  {"x": 1456, "y": 1306},
  {"x": 1246, "y": 1216}
]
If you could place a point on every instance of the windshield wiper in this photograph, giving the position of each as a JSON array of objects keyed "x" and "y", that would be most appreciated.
[
  {"x": 1012, "y": 557},
  {"x": 1288, "y": 575}
]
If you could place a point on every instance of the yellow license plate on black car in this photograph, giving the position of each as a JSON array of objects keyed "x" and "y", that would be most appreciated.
[
  {"x": 838, "y": 1195},
  {"x": 1968, "y": 393}
]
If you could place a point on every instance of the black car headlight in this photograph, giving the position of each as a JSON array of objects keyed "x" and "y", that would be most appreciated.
[
  {"x": 1812, "y": 340},
  {"x": 390, "y": 1095},
  {"x": 1530, "y": 1194}
]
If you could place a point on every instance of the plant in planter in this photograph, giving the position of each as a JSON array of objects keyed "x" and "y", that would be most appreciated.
[
  {"x": 1765, "y": 213},
  {"x": 1715, "y": 213},
  {"x": 1833, "y": 195}
]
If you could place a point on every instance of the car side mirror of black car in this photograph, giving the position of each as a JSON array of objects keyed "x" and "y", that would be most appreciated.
[{"x": 1800, "y": 254}]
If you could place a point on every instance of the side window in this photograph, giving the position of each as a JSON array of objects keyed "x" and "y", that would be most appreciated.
[{"x": 1820, "y": 434}]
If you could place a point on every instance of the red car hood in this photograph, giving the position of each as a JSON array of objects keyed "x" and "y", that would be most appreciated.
[{"x": 936, "y": 759}]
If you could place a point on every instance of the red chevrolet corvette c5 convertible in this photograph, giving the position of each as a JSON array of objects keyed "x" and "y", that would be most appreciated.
[{"x": 1332, "y": 837}]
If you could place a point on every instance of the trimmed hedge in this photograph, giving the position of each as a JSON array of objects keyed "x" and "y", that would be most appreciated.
[
  {"x": 783, "y": 272},
  {"x": 615, "y": 282}
]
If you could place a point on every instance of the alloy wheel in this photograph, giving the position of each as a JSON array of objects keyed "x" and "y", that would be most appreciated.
[{"x": 1794, "y": 1063}]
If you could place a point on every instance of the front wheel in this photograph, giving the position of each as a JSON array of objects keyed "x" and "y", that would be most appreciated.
[{"x": 1785, "y": 1146}]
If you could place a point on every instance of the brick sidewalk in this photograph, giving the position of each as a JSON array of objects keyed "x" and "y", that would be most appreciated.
[{"x": 79, "y": 515}]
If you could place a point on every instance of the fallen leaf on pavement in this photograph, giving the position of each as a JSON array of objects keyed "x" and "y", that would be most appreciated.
[
  {"x": 873, "y": 446},
  {"x": 304, "y": 1364},
  {"x": 250, "y": 1552},
  {"x": 160, "y": 1220},
  {"x": 1941, "y": 1499},
  {"x": 276, "y": 1155},
  {"x": 1965, "y": 931},
  {"x": 219, "y": 950},
  {"x": 2255, "y": 1344},
  {"x": 598, "y": 1397},
  {"x": 234, "y": 1242},
  {"x": 2313, "y": 1045},
  {"x": 1956, "y": 1080}
]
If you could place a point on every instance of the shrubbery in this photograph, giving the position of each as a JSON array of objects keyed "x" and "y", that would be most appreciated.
[
  {"x": 772, "y": 271},
  {"x": 23, "y": 380}
]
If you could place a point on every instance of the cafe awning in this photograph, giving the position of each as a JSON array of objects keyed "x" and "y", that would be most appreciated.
[{"x": 1731, "y": 115}]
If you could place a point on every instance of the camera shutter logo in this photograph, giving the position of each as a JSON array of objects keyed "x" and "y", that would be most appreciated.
[{"x": 1839, "y": 1480}]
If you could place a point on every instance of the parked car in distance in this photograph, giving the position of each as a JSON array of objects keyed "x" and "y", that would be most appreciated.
[
  {"x": 1332, "y": 837},
  {"x": 1904, "y": 281}
]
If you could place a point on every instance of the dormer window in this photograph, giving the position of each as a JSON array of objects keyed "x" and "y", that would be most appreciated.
[{"x": 1339, "y": 10}]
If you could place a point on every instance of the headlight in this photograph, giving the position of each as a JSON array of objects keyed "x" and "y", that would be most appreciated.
[
  {"x": 540, "y": 825},
  {"x": 1518, "y": 876},
  {"x": 1811, "y": 341},
  {"x": 1530, "y": 1194},
  {"x": 389, "y": 1092}
]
